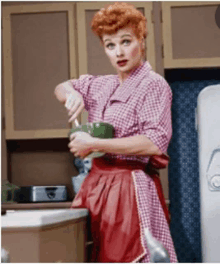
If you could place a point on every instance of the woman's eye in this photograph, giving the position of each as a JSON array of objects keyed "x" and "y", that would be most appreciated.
[
  {"x": 110, "y": 46},
  {"x": 126, "y": 42}
]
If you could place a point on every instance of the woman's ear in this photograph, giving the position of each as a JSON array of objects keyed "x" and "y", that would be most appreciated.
[
  {"x": 143, "y": 47},
  {"x": 143, "y": 44}
]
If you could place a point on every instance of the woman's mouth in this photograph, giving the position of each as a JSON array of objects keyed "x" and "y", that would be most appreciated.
[{"x": 122, "y": 63}]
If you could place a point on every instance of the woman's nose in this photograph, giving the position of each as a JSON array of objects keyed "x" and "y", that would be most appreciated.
[{"x": 119, "y": 51}]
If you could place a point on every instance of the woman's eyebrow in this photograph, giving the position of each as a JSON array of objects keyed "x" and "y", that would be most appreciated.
[
  {"x": 126, "y": 35},
  {"x": 107, "y": 40}
]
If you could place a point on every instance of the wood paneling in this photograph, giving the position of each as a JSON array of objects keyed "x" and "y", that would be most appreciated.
[
  {"x": 4, "y": 154},
  {"x": 157, "y": 18},
  {"x": 40, "y": 61},
  {"x": 198, "y": 36},
  {"x": 42, "y": 163},
  {"x": 63, "y": 242},
  {"x": 39, "y": 52},
  {"x": 191, "y": 35}
]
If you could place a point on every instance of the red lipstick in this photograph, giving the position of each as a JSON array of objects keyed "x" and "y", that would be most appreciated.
[{"x": 122, "y": 63}]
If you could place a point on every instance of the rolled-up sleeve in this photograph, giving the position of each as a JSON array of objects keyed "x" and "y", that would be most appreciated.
[
  {"x": 155, "y": 114},
  {"x": 88, "y": 86}
]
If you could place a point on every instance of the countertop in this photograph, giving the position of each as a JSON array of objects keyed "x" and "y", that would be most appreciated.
[
  {"x": 39, "y": 218},
  {"x": 24, "y": 206}
]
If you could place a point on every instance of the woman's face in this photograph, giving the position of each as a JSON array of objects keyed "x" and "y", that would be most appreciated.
[{"x": 124, "y": 51}]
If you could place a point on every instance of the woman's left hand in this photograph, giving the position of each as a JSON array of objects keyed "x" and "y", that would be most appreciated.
[{"x": 81, "y": 144}]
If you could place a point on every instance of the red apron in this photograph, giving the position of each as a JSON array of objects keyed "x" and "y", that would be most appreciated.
[{"x": 108, "y": 193}]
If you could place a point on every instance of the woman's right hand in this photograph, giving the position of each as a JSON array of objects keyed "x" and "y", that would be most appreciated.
[
  {"x": 74, "y": 104},
  {"x": 72, "y": 99}
]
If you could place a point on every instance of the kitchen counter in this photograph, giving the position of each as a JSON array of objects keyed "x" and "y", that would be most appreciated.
[
  {"x": 55, "y": 235},
  {"x": 24, "y": 206},
  {"x": 39, "y": 218}
]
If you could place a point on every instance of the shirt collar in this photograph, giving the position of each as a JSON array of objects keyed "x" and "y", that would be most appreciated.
[{"x": 125, "y": 90}]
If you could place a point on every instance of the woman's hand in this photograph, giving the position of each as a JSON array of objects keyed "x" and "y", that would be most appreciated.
[
  {"x": 81, "y": 144},
  {"x": 74, "y": 105},
  {"x": 74, "y": 102},
  {"x": 72, "y": 99}
]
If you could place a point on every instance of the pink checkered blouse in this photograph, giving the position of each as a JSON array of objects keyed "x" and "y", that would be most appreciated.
[{"x": 140, "y": 106}]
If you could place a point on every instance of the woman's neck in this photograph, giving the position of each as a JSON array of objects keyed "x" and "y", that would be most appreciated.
[{"x": 124, "y": 75}]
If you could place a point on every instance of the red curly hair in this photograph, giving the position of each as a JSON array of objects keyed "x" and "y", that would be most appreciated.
[{"x": 117, "y": 16}]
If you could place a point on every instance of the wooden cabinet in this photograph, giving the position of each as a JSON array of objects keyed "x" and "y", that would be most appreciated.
[
  {"x": 191, "y": 34},
  {"x": 39, "y": 51},
  {"x": 45, "y": 235}
]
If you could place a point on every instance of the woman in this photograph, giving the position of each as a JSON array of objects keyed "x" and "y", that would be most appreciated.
[{"x": 122, "y": 199}]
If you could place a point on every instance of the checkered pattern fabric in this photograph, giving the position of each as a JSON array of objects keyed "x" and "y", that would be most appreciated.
[
  {"x": 140, "y": 106},
  {"x": 152, "y": 215}
]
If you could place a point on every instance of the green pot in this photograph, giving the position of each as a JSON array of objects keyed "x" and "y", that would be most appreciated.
[{"x": 96, "y": 129}]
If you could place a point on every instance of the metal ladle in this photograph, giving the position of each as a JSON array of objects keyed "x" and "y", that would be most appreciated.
[{"x": 158, "y": 254}]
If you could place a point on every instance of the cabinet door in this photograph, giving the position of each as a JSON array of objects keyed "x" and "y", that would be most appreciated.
[
  {"x": 92, "y": 59},
  {"x": 38, "y": 53},
  {"x": 191, "y": 34}
]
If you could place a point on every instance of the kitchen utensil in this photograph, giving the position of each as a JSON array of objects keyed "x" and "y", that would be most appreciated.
[{"x": 158, "y": 254}]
